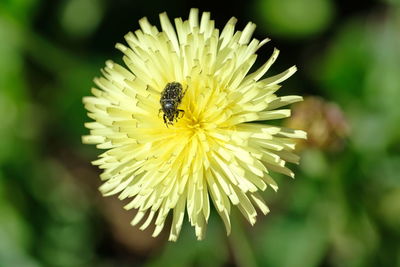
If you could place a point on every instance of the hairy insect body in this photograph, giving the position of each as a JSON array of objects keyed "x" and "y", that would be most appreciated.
[{"x": 170, "y": 99}]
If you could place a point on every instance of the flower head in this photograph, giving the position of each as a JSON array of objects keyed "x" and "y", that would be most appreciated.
[
  {"x": 212, "y": 148},
  {"x": 325, "y": 123}
]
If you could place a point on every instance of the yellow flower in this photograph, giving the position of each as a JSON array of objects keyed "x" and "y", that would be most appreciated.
[{"x": 213, "y": 148}]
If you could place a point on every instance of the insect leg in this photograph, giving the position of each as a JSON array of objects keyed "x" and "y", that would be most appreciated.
[{"x": 180, "y": 111}]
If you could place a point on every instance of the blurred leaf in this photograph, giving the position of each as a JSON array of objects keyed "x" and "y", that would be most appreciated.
[
  {"x": 293, "y": 242},
  {"x": 295, "y": 18},
  {"x": 313, "y": 163},
  {"x": 389, "y": 208},
  {"x": 15, "y": 234},
  {"x": 342, "y": 70},
  {"x": 354, "y": 240},
  {"x": 360, "y": 72},
  {"x": 66, "y": 238},
  {"x": 22, "y": 10},
  {"x": 13, "y": 98},
  {"x": 77, "y": 21}
]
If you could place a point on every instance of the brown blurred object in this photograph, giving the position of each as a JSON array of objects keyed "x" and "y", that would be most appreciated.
[
  {"x": 134, "y": 239},
  {"x": 131, "y": 238},
  {"x": 323, "y": 121}
]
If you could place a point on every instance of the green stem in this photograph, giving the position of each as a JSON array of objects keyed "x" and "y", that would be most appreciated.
[{"x": 240, "y": 244}]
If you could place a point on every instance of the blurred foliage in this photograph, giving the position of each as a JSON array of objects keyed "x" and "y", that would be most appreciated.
[
  {"x": 343, "y": 209},
  {"x": 87, "y": 22},
  {"x": 295, "y": 18}
]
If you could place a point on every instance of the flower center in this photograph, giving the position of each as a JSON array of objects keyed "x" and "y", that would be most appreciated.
[{"x": 194, "y": 124}]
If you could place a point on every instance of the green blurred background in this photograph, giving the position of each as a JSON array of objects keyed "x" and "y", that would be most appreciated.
[{"x": 343, "y": 208}]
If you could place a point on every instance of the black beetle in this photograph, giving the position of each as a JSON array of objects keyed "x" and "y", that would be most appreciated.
[{"x": 170, "y": 99}]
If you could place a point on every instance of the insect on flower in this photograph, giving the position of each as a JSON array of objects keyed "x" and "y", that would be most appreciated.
[
  {"x": 220, "y": 156},
  {"x": 170, "y": 99}
]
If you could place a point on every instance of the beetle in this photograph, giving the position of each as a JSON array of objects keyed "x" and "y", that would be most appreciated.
[{"x": 171, "y": 97}]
